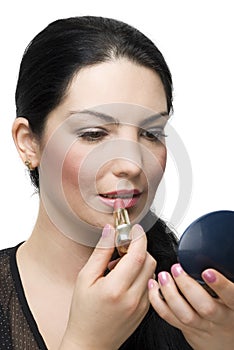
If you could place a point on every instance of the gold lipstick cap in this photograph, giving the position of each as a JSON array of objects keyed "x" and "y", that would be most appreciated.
[{"x": 122, "y": 227}]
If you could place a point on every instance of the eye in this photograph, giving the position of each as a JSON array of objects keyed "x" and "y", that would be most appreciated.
[
  {"x": 153, "y": 135},
  {"x": 93, "y": 135}
]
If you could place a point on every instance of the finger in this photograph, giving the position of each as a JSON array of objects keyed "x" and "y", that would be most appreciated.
[
  {"x": 130, "y": 265},
  {"x": 223, "y": 287},
  {"x": 176, "y": 302},
  {"x": 99, "y": 259},
  {"x": 139, "y": 286},
  {"x": 160, "y": 306},
  {"x": 113, "y": 263},
  {"x": 144, "y": 302},
  {"x": 204, "y": 304},
  {"x": 147, "y": 272}
]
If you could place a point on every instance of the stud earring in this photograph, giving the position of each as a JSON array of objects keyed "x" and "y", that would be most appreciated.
[{"x": 28, "y": 165}]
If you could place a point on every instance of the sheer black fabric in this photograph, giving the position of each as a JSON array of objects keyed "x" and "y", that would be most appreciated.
[{"x": 19, "y": 331}]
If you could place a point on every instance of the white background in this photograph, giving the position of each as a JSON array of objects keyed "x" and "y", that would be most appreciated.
[{"x": 197, "y": 40}]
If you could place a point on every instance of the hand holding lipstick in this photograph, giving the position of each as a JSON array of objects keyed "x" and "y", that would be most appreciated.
[{"x": 117, "y": 302}]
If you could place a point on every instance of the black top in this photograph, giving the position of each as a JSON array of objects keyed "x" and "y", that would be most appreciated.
[{"x": 18, "y": 329}]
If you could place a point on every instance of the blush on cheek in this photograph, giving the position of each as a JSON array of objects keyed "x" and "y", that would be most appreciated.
[
  {"x": 162, "y": 156},
  {"x": 70, "y": 174},
  {"x": 160, "y": 165},
  {"x": 78, "y": 179},
  {"x": 155, "y": 175}
]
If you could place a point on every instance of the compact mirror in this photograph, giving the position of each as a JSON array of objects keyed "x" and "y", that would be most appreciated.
[{"x": 209, "y": 243}]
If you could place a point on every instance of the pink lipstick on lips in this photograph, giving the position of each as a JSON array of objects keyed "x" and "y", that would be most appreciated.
[
  {"x": 122, "y": 227},
  {"x": 129, "y": 198}
]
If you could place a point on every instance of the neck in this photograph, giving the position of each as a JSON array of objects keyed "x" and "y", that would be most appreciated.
[{"x": 49, "y": 251}]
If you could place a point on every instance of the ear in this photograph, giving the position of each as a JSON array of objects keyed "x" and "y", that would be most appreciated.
[{"x": 26, "y": 142}]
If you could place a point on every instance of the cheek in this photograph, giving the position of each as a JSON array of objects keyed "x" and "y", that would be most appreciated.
[
  {"x": 162, "y": 157},
  {"x": 154, "y": 171},
  {"x": 75, "y": 188},
  {"x": 78, "y": 173},
  {"x": 157, "y": 167},
  {"x": 71, "y": 168},
  {"x": 70, "y": 171}
]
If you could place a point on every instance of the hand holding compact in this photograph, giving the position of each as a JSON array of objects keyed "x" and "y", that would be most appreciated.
[
  {"x": 207, "y": 322},
  {"x": 209, "y": 242}
]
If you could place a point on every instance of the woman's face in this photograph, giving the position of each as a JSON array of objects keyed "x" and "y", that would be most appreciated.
[{"x": 106, "y": 141}]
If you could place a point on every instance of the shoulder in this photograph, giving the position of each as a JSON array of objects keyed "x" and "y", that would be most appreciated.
[
  {"x": 7, "y": 261},
  {"x": 5, "y": 255}
]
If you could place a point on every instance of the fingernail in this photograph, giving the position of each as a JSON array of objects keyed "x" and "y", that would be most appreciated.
[
  {"x": 151, "y": 284},
  {"x": 137, "y": 231},
  {"x": 106, "y": 231},
  {"x": 139, "y": 228},
  {"x": 176, "y": 270},
  {"x": 163, "y": 278},
  {"x": 209, "y": 276}
]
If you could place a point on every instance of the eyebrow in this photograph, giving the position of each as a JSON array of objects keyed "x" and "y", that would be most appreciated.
[
  {"x": 111, "y": 120},
  {"x": 154, "y": 117}
]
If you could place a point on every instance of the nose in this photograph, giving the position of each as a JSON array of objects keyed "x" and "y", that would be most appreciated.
[{"x": 128, "y": 161}]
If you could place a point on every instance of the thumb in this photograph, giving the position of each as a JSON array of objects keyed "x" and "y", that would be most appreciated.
[{"x": 98, "y": 261}]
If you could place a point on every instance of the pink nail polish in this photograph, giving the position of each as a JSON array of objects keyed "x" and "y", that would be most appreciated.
[
  {"x": 106, "y": 231},
  {"x": 151, "y": 284},
  {"x": 209, "y": 276},
  {"x": 176, "y": 270},
  {"x": 163, "y": 278}
]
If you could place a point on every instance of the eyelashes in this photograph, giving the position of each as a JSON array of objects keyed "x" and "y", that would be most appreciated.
[
  {"x": 154, "y": 135},
  {"x": 98, "y": 135},
  {"x": 95, "y": 135}
]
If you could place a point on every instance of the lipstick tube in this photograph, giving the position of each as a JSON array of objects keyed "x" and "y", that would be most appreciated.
[{"x": 122, "y": 228}]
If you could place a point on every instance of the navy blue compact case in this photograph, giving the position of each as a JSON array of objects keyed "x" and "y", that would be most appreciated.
[{"x": 209, "y": 243}]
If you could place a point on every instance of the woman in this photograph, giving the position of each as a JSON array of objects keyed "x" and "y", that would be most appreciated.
[{"x": 93, "y": 98}]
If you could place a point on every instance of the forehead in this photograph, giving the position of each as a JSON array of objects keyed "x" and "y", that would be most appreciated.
[
  {"x": 121, "y": 89},
  {"x": 120, "y": 81}
]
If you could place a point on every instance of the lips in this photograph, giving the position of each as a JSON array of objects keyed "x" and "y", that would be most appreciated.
[{"x": 129, "y": 197}]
